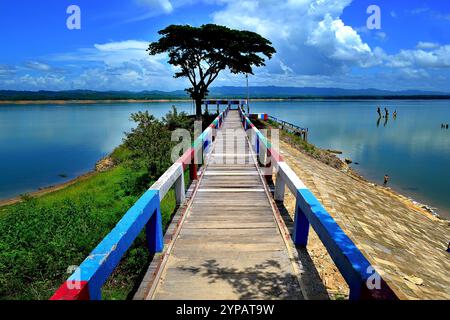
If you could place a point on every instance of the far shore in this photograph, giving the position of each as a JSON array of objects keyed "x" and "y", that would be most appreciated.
[
  {"x": 20, "y": 102},
  {"x": 330, "y": 98}
]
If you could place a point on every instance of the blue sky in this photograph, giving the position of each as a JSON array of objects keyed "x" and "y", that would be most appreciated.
[{"x": 322, "y": 43}]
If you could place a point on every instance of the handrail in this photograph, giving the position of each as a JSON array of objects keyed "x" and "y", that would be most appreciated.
[
  {"x": 360, "y": 275},
  {"x": 288, "y": 123},
  {"x": 87, "y": 280}
]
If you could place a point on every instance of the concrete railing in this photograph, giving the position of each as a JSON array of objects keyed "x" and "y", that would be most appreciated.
[
  {"x": 364, "y": 282},
  {"x": 87, "y": 280}
]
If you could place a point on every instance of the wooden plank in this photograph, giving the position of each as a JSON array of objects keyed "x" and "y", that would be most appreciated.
[{"x": 230, "y": 234}]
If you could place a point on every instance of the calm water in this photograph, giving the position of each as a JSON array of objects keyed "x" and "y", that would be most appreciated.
[{"x": 40, "y": 142}]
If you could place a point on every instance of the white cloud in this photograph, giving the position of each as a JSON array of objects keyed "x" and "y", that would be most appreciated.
[
  {"x": 38, "y": 66},
  {"x": 164, "y": 5},
  {"x": 152, "y": 8},
  {"x": 437, "y": 58},
  {"x": 123, "y": 65},
  {"x": 122, "y": 45},
  {"x": 427, "y": 45},
  {"x": 381, "y": 35}
]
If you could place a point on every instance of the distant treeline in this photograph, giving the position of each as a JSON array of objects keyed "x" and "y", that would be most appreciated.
[
  {"x": 10, "y": 95},
  {"x": 7, "y": 95}
]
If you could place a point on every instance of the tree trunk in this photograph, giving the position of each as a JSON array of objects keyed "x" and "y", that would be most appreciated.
[{"x": 198, "y": 108}]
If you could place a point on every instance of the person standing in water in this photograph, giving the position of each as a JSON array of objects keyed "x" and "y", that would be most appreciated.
[
  {"x": 386, "y": 112},
  {"x": 379, "y": 112},
  {"x": 386, "y": 180}
]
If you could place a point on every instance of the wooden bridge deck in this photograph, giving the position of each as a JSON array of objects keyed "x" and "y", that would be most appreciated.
[{"x": 230, "y": 244}]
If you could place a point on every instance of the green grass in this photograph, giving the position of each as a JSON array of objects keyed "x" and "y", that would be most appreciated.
[{"x": 41, "y": 237}]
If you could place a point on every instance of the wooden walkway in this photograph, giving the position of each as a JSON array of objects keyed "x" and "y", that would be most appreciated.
[{"x": 229, "y": 244}]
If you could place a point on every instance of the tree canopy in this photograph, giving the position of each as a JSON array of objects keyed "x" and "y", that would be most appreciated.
[{"x": 203, "y": 52}]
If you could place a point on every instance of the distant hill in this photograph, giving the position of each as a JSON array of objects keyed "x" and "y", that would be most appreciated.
[
  {"x": 224, "y": 92},
  {"x": 273, "y": 91}
]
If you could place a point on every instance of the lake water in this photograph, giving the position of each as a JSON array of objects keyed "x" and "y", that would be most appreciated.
[{"x": 38, "y": 143}]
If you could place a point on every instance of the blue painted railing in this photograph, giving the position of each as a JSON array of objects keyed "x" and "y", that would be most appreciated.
[
  {"x": 87, "y": 280},
  {"x": 364, "y": 282}
]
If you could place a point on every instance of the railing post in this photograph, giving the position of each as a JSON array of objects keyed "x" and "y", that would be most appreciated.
[
  {"x": 262, "y": 157},
  {"x": 280, "y": 186},
  {"x": 257, "y": 144},
  {"x": 355, "y": 290},
  {"x": 193, "y": 171},
  {"x": 154, "y": 233},
  {"x": 268, "y": 164},
  {"x": 301, "y": 223},
  {"x": 180, "y": 193},
  {"x": 95, "y": 293}
]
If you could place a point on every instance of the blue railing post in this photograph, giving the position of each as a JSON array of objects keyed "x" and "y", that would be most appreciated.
[
  {"x": 95, "y": 293},
  {"x": 355, "y": 290},
  {"x": 154, "y": 232},
  {"x": 301, "y": 223},
  {"x": 257, "y": 145}
]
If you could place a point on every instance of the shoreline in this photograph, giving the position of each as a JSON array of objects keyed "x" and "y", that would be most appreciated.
[
  {"x": 46, "y": 190},
  {"x": 408, "y": 200},
  {"x": 101, "y": 165},
  {"x": 64, "y": 102}
]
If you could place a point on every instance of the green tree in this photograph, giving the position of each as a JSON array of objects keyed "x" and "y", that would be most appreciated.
[
  {"x": 150, "y": 144},
  {"x": 203, "y": 52},
  {"x": 177, "y": 120}
]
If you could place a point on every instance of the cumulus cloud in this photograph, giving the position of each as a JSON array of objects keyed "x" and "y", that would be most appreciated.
[
  {"x": 437, "y": 58},
  {"x": 122, "y": 65},
  {"x": 309, "y": 35}
]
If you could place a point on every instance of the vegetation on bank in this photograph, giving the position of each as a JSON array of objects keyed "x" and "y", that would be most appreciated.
[{"x": 40, "y": 238}]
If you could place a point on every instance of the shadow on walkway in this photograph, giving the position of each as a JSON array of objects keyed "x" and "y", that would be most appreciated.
[
  {"x": 314, "y": 287},
  {"x": 262, "y": 281}
]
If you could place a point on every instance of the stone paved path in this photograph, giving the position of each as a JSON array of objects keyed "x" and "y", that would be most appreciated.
[{"x": 406, "y": 246}]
